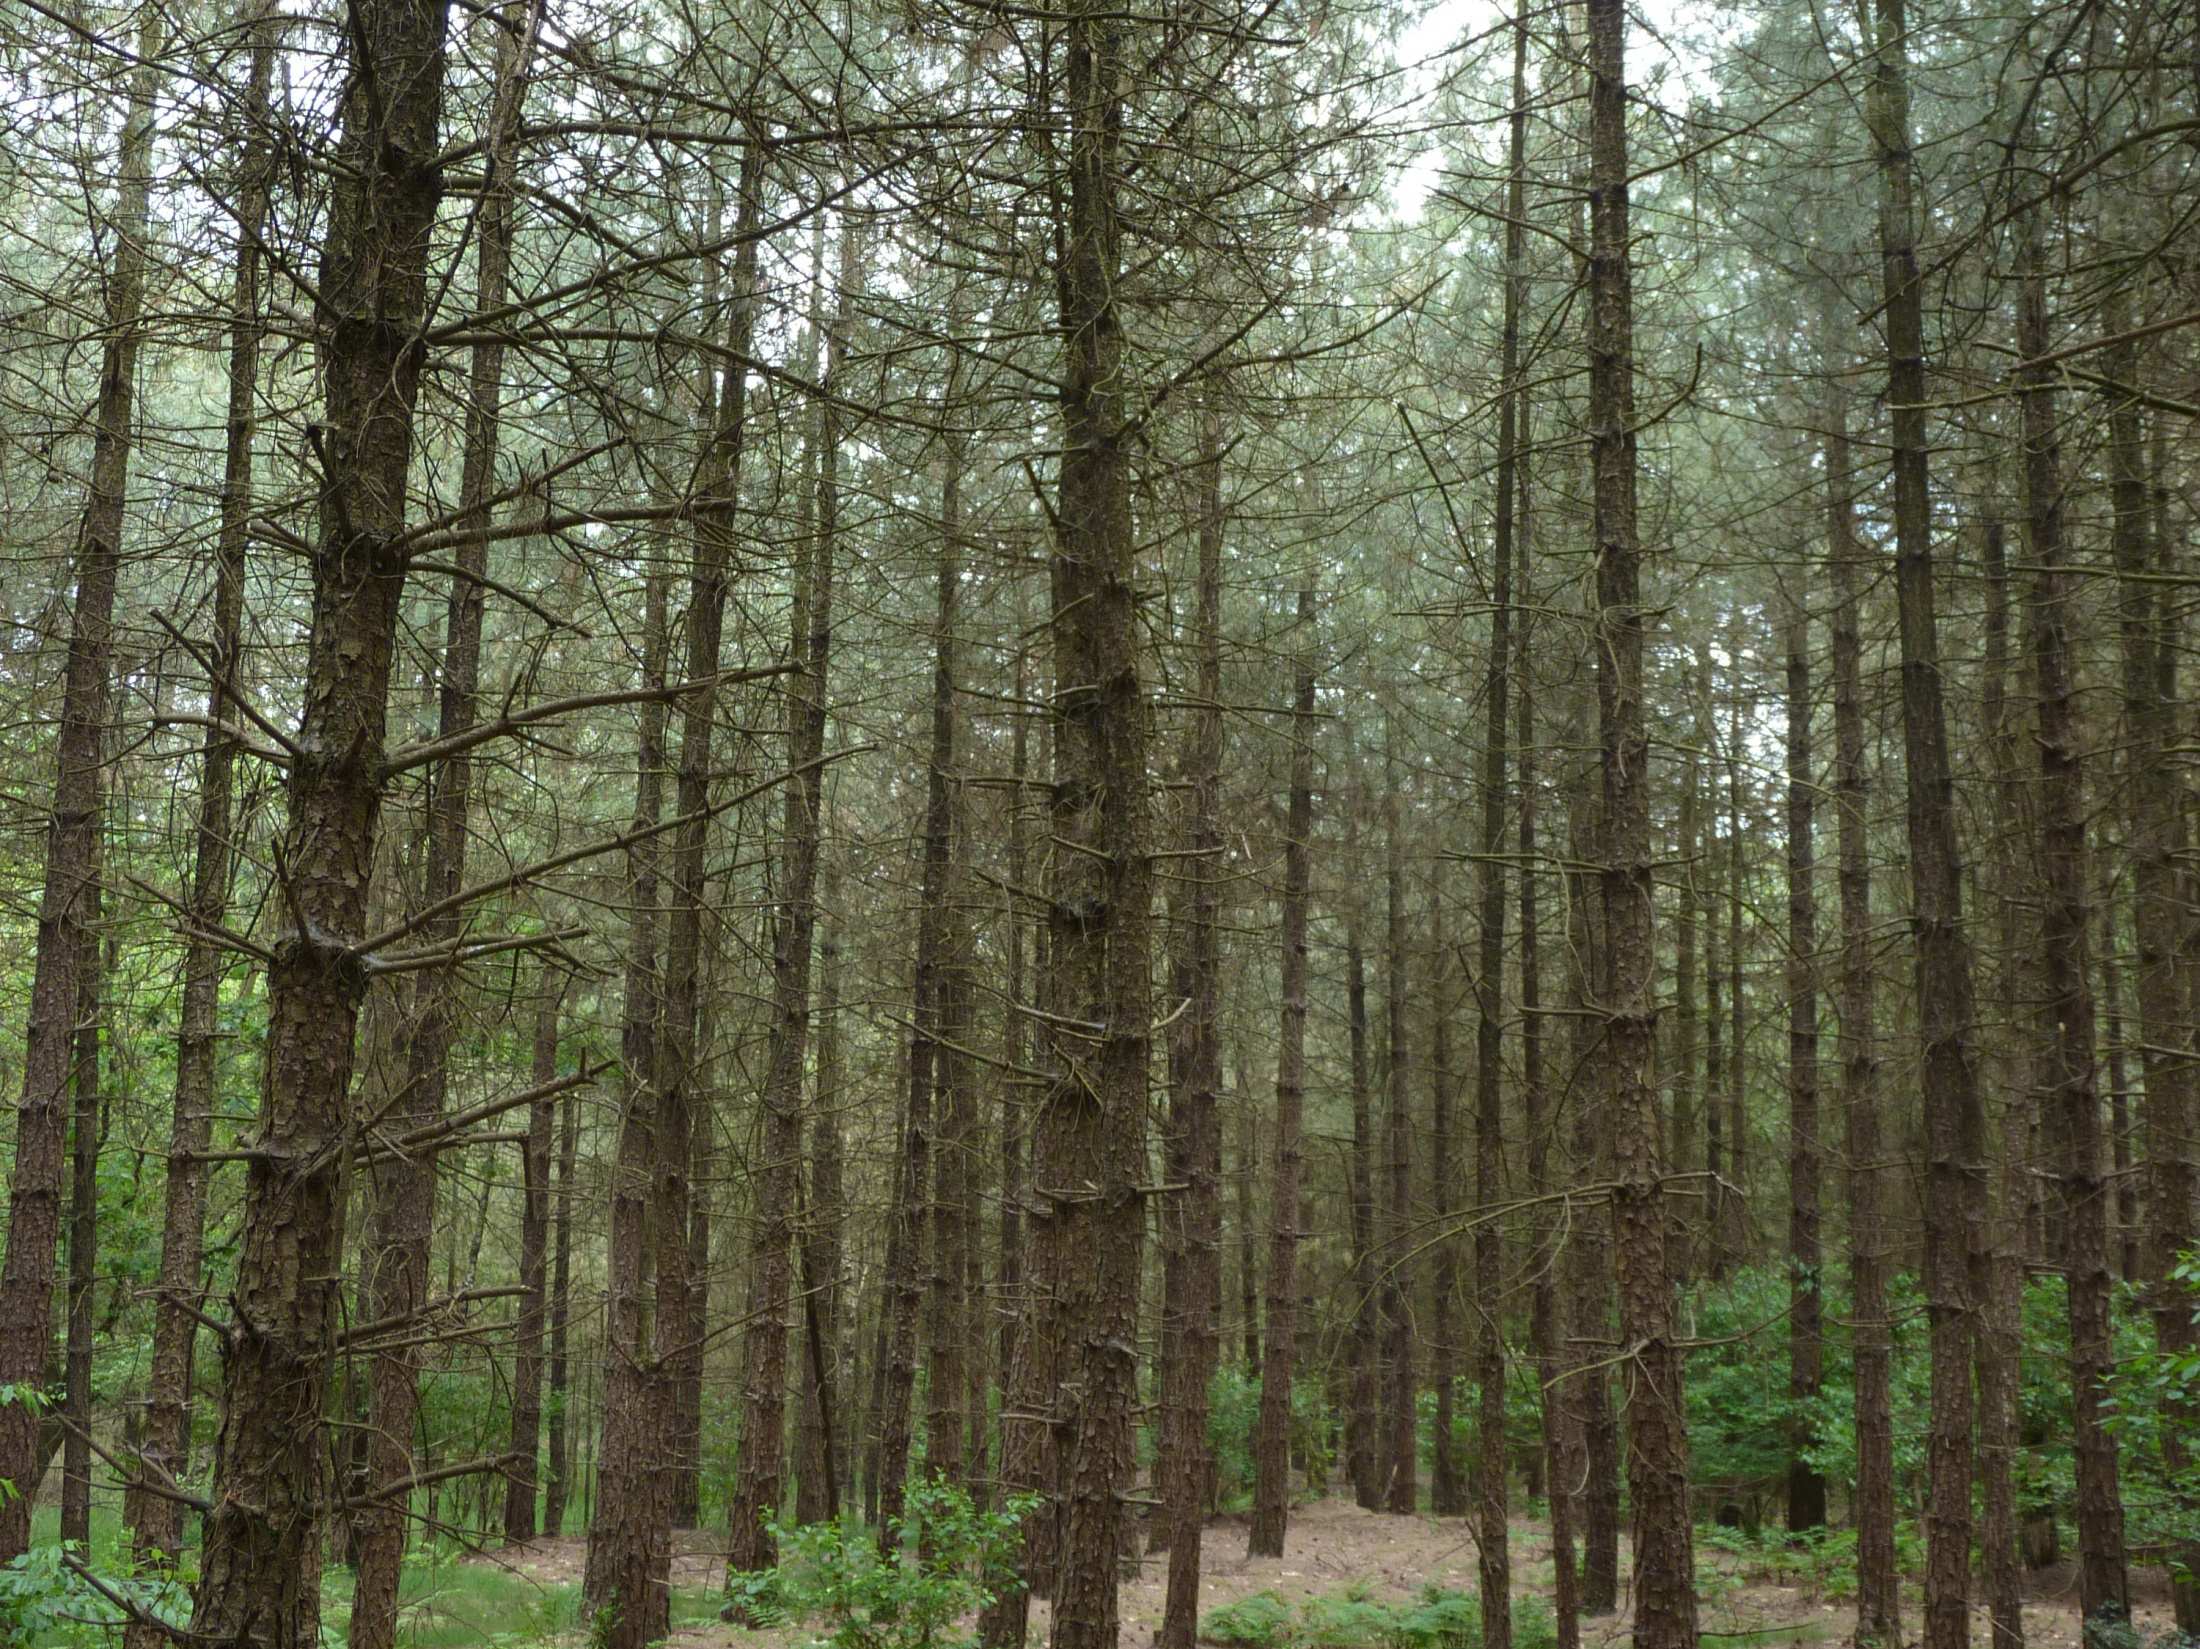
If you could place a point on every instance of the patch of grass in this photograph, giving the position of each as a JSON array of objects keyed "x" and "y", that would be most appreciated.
[{"x": 1355, "y": 1619}]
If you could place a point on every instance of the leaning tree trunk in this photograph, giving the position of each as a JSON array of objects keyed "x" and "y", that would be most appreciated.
[
  {"x": 155, "y": 1518},
  {"x": 1955, "y": 1132},
  {"x": 401, "y": 1222},
  {"x": 1197, "y": 1060},
  {"x": 1806, "y": 1485},
  {"x": 1279, "y": 1356},
  {"x": 1656, "y": 1415},
  {"x": 1092, "y": 1124},
  {"x": 1878, "y": 1595},
  {"x": 67, "y": 905},
  {"x": 2067, "y": 1012},
  {"x": 261, "y": 1565}
]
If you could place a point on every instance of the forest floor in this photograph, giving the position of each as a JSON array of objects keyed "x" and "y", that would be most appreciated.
[{"x": 1748, "y": 1597}]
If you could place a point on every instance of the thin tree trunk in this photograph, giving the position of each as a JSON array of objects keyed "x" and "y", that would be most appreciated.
[
  {"x": 1399, "y": 1447},
  {"x": 68, "y": 900},
  {"x": 559, "y": 1472},
  {"x": 1947, "y": 1007},
  {"x": 83, "y": 1232},
  {"x": 1878, "y": 1595},
  {"x": 1248, "y": 1235},
  {"x": 2066, "y": 925},
  {"x": 1806, "y": 1487},
  {"x": 534, "y": 1244},
  {"x": 1657, "y": 1428},
  {"x": 1272, "y": 1438},
  {"x": 154, "y": 1518},
  {"x": 1363, "y": 1375},
  {"x": 1447, "y": 1483},
  {"x": 816, "y": 1492},
  {"x": 680, "y": 1078},
  {"x": 761, "y": 1470},
  {"x": 1197, "y": 1060}
]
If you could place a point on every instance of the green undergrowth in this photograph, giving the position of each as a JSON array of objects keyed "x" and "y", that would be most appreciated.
[{"x": 1356, "y": 1619}]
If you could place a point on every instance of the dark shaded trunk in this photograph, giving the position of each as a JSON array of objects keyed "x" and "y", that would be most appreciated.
[
  {"x": 1878, "y": 1594},
  {"x": 2067, "y": 1011},
  {"x": 1363, "y": 1375},
  {"x": 1398, "y": 1451},
  {"x": 261, "y": 1564},
  {"x": 534, "y": 1246},
  {"x": 1806, "y": 1486},
  {"x": 1248, "y": 1236},
  {"x": 83, "y": 1235},
  {"x": 69, "y": 897},
  {"x": 558, "y": 1471},
  {"x": 401, "y": 1218},
  {"x": 1657, "y": 1429},
  {"x": 1955, "y": 1133},
  {"x": 821, "y": 1408},
  {"x": 1447, "y": 1489},
  {"x": 1091, "y": 1131},
  {"x": 1196, "y": 1068},
  {"x": 1272, "y": 1438}
]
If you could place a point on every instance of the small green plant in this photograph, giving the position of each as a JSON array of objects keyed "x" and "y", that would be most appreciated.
[
  {"x": 942, "y": 1562},
  {"x": 1261, "y": 1621},
  {"x": 1439, "y": 1620}
]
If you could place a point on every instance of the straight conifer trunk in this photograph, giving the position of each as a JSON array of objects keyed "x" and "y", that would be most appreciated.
[
  {"x": 1806, "y": 1486},
  {"x": 260, "y": 1567},
  {"x": 1400, "y": 1430},
  {"x": 2066, "y": 925},
  {"x": 558, "y": 1471},
  {"x": 534, "y": 1248},
  {"x": 1272, "y": 1438},
  {"x": 1955, "y": 1132},
  {"x": 156, "y": 1519},
  {"x": 68, "y": 901},
  {"x": 1656, "y": 1415}
]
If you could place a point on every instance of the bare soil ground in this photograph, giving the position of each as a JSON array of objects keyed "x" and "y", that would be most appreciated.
[{"x": 1334, "y": 1544}]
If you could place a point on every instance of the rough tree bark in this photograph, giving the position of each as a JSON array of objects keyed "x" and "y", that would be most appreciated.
[
  {"x": 1196, "y": 1058},
  {"x": 261, "y": 1563},
  {"x": 156, "y": 1519},
  {"x": 1399, "y": 1451},
  {"x": 534, "y": 1248},
  {"x": 1955, "y": 1131},
  {"x": 1272, "y": 1437},
  {"x": 83, "y": 1231},
  {"x": 1878, "y": 1595},
  {"x": 558, "y": 1470},
  {"x": 2067, "y": 1013},
  {"x": 68, "y": 900},
  {"x": 1806, "y": 1486},
  {"x": 1657, "y": 1427}
]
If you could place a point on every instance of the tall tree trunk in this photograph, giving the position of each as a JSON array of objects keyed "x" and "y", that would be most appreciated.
[
  {"x": 1197, "y": 1060},
  {"x": 1955, "y": 1128},
  {"x": 1098, "y": 921},
  {"x": 83, "y": 1232},
  {"x": 1363, "y": 1372},
  {"x": 534, "y": 1246},
  {"x": 68, "y": 900},
  {"x": 820, "y": 1412},
  {"x": 2067, "y": 1012},
  {"x": 558, "y": 1473},
  {"x": 1492, "y": 1502},
  {"x": 761, "y": 1470},
  {"x": 1562, "y": 1457},
  {"x": 155, "y": 1518},
  {"x": 1806, "y": 1488},
  {"x": 1588, "y": 1253},
  {"x": 680, "y": 1079},
  {"x": 261, "y": 1566},
  {"x": 1272, "y": 1437},
  {"x": 620, "y": 1597},
  {"x": 1733, "y": 1205},
  {"x": 1248, "y": 1235},
  {"x": 1447, "y": 1482},
  {"x": 1399, "y": 1450},
  {"x": 1878, "y": 1594},
  {"x": 401, "y": 1221},
  {"x": 2159, "y": 920},
  {"x": 1657, "y": 1427},
  {"x": 1996, "y": 1264}
]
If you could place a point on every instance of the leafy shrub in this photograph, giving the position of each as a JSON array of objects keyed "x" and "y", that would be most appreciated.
[
  {"x": 944, "y": 1560},
  {"x": 1262, "y": 1621}
]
